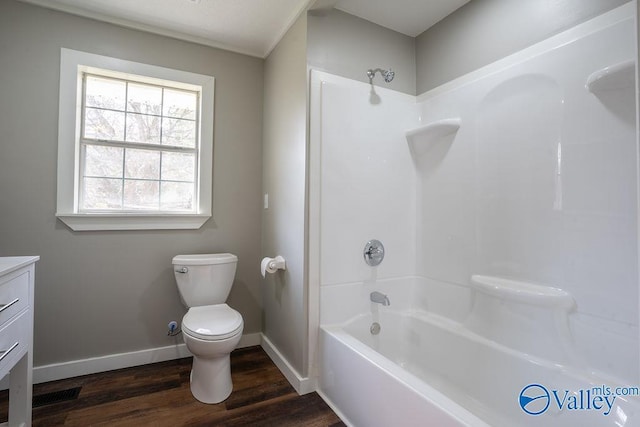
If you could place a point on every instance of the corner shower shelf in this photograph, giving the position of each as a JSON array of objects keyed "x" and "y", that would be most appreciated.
[
  {"x": 523, "y": 292},
  {"x": 617, "y": 76},
  {"x": 422, "y": 137}
]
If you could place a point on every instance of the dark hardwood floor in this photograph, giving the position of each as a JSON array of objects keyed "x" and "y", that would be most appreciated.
[{"x": 159, "y": 395}]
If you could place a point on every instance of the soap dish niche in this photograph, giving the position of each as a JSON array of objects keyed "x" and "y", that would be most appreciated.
[
  {"x": 612, "y": 77},
  {"x": 422, "y": 138}
]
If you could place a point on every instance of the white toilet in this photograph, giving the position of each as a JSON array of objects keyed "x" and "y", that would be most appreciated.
[{"x": 211, "y": 329}]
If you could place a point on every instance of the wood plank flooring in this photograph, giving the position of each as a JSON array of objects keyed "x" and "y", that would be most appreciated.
[{"x": 159, "y": 395}]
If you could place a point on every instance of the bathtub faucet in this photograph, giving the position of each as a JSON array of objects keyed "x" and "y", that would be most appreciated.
[{"x": 379, "y": 298}]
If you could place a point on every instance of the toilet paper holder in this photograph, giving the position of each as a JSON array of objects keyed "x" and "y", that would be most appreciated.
[{"x": 271, "y": 265}]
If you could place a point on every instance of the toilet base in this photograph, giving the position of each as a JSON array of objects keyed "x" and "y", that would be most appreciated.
[
  {"x": 211, "y": 379},
  {"x": 211, "y": 370}
]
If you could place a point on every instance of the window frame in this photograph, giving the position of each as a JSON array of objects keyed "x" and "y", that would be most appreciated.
[{"x": 73, "y": 64}]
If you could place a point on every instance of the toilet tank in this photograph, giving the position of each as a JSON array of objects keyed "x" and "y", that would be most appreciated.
[{"x": 204, "y": 279}]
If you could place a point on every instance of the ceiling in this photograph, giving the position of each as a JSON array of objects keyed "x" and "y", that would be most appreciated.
[
  {"x": 410, "y": 17},
  {"x": 252, "y": 27}
]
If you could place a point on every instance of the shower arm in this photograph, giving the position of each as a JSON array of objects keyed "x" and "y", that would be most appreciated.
[
  {"x": 372, "y": 73},
  {"x": 386, "y": 74}
]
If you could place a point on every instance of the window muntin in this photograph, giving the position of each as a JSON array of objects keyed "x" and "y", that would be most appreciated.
[{"x": 138, "y": 146}]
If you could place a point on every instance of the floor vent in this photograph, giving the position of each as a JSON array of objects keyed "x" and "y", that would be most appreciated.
[{"x": 56, "y": 397}]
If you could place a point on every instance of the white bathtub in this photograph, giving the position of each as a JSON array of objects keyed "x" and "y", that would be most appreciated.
[
  {"x": 367, "y": 389},
  {"x": 422, "y": 369}
]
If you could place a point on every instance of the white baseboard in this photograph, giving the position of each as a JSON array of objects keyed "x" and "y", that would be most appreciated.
[
  {"x": 303, "y": 385},
  {"x": 250, "y": 340},
  {"x": 75, "y": 368}
]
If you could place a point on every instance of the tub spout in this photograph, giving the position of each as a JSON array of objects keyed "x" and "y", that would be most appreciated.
[{"x": 379, "y": 298}]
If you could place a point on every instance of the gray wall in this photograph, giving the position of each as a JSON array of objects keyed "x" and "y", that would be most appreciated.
[
  {"x": 101, "y": 293},
  {"x": 483, "y": 31},
  {"x": 343, "y": 44},
  {"x": 284, "y": 179}
]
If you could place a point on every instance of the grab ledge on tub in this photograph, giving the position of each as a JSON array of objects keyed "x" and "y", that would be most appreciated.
[
  {"x": 523, "y": 292},
  {"x": 617, "y": 76}
]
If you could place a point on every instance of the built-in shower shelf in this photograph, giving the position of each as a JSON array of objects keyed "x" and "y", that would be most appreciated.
[
  {"x": 523, "y": 292},
  {"x": 617, "y": 76},
  {"x": 422, "y": 137}
]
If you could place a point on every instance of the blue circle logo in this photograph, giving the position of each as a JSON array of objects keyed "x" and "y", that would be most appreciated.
[{"x": 534, "y": 399}]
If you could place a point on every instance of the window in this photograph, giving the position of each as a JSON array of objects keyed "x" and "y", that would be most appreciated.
[
  {"x": 138, "y": 146},
  {"x": 134, "y": 145}
]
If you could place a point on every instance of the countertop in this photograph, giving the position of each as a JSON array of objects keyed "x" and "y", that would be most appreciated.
[{"x": 12, "y": 263}]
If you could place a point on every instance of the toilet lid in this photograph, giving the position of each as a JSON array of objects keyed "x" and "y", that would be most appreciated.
[{"x": 212, "y": 322}]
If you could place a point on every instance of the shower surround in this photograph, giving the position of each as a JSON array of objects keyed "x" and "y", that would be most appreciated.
[{"x": 506, "y": 201}]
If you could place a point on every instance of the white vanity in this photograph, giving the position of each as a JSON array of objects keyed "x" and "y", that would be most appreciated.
[{"x": 16, "y": 334}]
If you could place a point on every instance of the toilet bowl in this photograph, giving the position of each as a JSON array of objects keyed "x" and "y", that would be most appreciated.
[
  {"x": 211, "y": 329},
  {"x": 211, "y": 333}
]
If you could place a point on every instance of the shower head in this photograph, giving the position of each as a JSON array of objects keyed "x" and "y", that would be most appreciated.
[{"x": 388, "y": 75}]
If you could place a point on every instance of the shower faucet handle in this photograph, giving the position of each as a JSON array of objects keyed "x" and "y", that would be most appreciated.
[{"x": 373, "y": 252}]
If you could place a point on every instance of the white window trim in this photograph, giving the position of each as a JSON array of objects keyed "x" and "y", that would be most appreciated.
[{"x": 72, "y": 63}]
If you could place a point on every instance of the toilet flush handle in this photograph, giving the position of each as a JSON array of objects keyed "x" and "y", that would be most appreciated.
[{"x": 183, "y": 270}]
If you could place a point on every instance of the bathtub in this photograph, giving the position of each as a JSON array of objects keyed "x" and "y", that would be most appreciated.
[
  {"x": 423, "y": 369},
  {"x": 368, "y": 389}
]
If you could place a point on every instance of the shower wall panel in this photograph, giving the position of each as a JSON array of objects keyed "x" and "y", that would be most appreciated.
[
  {"x": 540, "y": 183},
  {"x": 367, "y": 179}
]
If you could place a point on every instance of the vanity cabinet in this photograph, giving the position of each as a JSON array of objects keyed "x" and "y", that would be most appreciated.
[{"x": 16, "y": 334}]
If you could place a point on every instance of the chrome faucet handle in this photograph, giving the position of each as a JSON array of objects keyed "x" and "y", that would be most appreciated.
[{"x": 373, "y": 252}]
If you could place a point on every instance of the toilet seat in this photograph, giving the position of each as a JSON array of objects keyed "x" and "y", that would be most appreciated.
[{"x": 212, "y": 322}]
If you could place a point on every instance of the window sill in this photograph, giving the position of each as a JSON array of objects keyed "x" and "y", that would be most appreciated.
[{"x": 143, "y": 221}]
